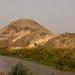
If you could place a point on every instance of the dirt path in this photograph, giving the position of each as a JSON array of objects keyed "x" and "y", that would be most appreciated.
[{"x": 38, "y": 69}]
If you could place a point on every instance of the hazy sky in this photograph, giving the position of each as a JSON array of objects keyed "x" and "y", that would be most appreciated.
[{"x": 56, "y": 15}]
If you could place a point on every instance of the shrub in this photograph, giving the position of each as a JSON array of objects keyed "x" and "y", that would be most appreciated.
[{"x": 19, "y": 69}]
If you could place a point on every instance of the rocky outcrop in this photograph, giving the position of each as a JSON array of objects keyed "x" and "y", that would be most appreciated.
[
  {"x": 4, "y": 43},
  {"x": 66, "y": 40},
  {"x": 25, "y": 33}
]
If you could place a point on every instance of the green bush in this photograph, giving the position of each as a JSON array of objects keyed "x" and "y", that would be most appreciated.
[{"x": 19, "y": 69}]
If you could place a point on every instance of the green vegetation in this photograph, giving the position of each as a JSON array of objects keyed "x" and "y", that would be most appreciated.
[
  {"x": 62, "y": 58},
  {"x": 19, "y": 69}
]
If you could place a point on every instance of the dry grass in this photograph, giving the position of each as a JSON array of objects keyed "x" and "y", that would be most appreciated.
[
  {"x": 1, "y": 73},
  {"x": 62, "y": 58}
]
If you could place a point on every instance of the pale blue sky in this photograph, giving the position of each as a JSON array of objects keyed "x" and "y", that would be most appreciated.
[{"x": 56, "y": 15}]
